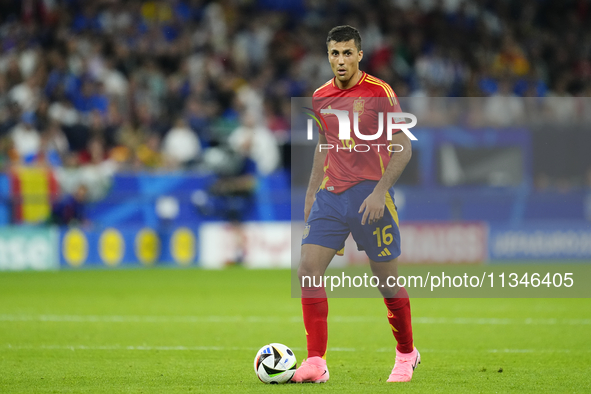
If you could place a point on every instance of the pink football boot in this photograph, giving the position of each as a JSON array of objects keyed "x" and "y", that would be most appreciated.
[
  {"x": 313, "y": 370},
  {"x": 404, "y": 366}
]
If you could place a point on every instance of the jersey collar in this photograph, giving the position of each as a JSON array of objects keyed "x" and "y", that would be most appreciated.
[{"x": 363, "y": 75}]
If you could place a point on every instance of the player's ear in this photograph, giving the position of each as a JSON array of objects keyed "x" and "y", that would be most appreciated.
[{"x": 360, "y": 55}]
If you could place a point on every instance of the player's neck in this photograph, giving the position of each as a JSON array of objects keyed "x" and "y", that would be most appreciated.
[{"x": 351, "y": 82}]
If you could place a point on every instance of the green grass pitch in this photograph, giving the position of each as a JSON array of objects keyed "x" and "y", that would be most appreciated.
[{"x": 179, "y": 331}]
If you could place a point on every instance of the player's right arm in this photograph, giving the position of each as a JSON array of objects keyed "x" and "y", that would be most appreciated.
[{"x": 317, "y": 175}]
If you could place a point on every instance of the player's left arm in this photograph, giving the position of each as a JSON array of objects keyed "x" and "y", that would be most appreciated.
[{"x": 375, "y": 203}]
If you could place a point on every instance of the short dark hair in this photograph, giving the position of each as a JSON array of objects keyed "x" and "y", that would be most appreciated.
[{"x": 344, "y": 33}]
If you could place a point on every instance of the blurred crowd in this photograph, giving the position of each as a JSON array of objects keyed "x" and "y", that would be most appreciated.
[{"x": 152, "y": 85}]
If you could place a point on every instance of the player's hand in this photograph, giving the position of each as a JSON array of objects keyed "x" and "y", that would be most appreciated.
[{"x": 374, "y": 208}]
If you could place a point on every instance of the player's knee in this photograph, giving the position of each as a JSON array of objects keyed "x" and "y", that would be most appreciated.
[
  {"x": 309, "y": 270},
  {"x": 389, "y": 292},
  {"x": 388, "y": 284}
]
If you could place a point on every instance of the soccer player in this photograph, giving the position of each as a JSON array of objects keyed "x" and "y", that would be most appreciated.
[{"x": 352, "y": 192}]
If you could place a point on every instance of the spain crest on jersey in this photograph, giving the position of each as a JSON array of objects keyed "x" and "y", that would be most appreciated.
[{"x": 358, "y": 106}]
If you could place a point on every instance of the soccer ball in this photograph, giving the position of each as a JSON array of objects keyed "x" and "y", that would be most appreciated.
[{"x": 275, "y": 363}]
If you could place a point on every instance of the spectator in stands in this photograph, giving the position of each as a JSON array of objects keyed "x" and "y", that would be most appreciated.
[
  {"x": 561, "y": 106},
  {"x": 26, "y": 138},
  {"x": 54, "y": 145},
  {"x": 148, "y": 153},
  {"x": 504, "y": 108},
  {"x": 4, "y": 102},
  {"x": 27, "y": 94},
  {"x": 256, "y": 142},
  {"x": 62, "y": 110},
  {"x": 95, "y": 153},
  {"x": 181, "y": 146},
  {"x": 69, "y": 210},
  {"x": 198, "y": 118},
  {"x": 42, "y": 115}
]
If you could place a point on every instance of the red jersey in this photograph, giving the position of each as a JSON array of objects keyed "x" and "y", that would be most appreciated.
[{"x": 345, "y": 166}]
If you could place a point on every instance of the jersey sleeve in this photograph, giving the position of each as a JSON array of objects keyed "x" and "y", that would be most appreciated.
[{"x": 389, "y": 103}]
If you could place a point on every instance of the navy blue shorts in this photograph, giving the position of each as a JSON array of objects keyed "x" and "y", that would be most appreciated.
[{"x": 334, "y": 216}]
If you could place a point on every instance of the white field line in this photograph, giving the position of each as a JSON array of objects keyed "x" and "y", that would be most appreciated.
[
  {"x": 253, "y": 349},
  {"x": 272, "y": 319}
]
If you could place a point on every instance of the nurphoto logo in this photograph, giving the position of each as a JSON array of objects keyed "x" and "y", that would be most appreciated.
[{"x": 395, "y": 121}]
